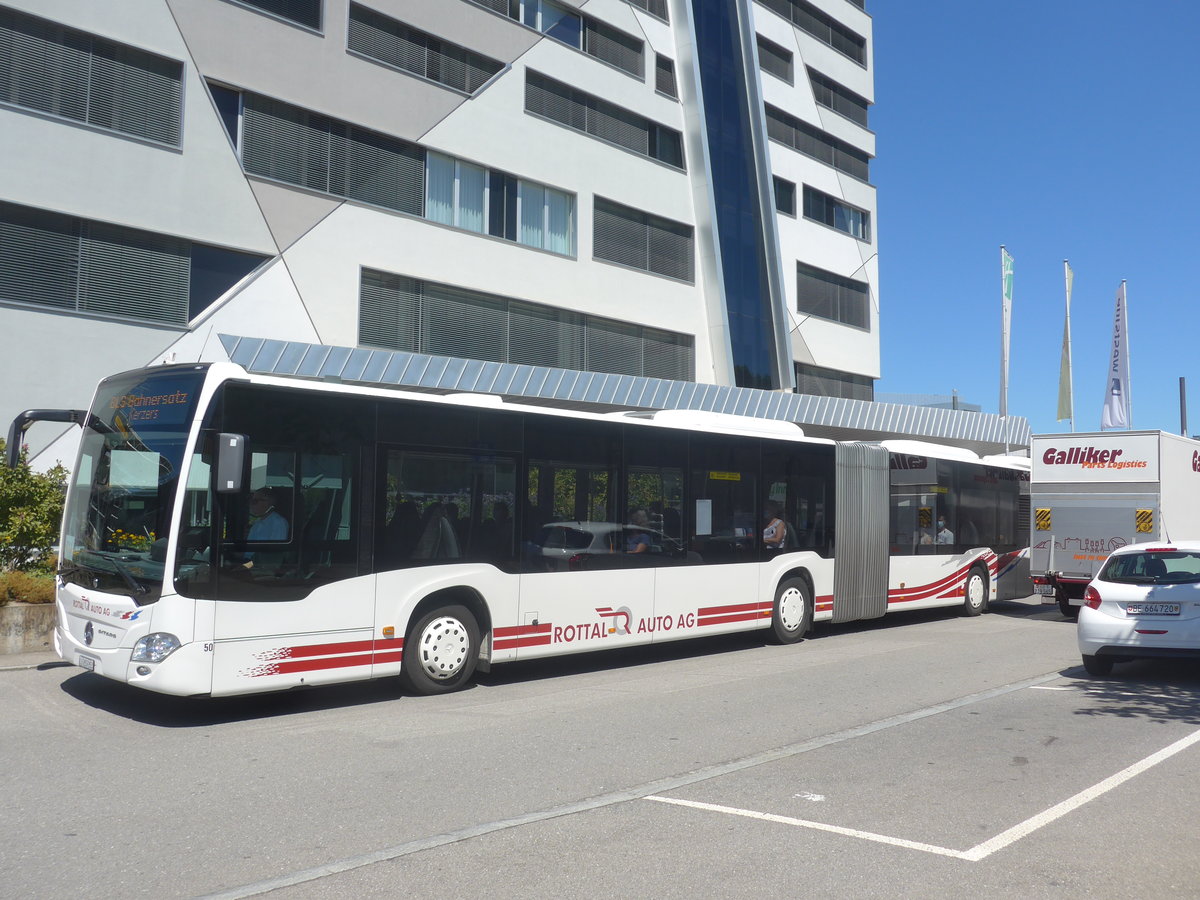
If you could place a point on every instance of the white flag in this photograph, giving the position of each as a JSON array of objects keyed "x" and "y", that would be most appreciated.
[
  {"x": 1117, "y": 400},
  {"x": 1066, "y": 403},
  {"x": 1006, "y": 294}
]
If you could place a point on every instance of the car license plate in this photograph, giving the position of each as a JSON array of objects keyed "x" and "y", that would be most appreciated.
[
  {"x": 1152, "y": 609},
  {"x": 1046, "y": 590},
  {"x": 87, "y": 662}
]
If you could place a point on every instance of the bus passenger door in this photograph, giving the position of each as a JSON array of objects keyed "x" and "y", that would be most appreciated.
[{"x": 292, "y": 608}]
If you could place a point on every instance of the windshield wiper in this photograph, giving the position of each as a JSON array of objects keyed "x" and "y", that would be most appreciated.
[
  {"x": 133, "y": 583},
  {"x": 71, "y": 568}
]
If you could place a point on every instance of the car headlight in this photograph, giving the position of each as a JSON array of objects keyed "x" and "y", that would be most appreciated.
[{"x": 155, "y": 647}]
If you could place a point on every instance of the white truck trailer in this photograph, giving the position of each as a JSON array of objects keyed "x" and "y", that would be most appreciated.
[{"x": 1091, "y": 493}]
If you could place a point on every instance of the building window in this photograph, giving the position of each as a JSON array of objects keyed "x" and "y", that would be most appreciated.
[
  {"x": 401, "y": 313},
  {"x": 785, "y": 196},
  {"x": 397, "y": 45},
  {"x": 833, "y": 96},
  {"x": 613, "y": 46},
  {"x": 302, "y": 12},
  {"x": 664, "y": 76},
  {"x": 819, "y": 382},
  {"x": 833, "y": 212},
  {"x": 313, "y": 151},
  {"x": 775, "y": 59},
  {"x": 813, "y": 142},
  {"x": 474, "y": 198},
  {"x": 642, "y": 241},
  {"x": 573, "y": 108},
  {"x": 656, "y": 8},
  {"x": 562, "y": 23},
  {"x": 821, "y": 26},
  {"x": 67, "y": 263},
  {"x": 53, "y": 69},
  {"x": 829, "y": 296}
]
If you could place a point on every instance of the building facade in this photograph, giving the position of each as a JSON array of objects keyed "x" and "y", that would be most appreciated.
[{"x": 669, "y": 189}]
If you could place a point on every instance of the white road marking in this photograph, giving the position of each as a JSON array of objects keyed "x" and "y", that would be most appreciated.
[
  {"x": 818, "y": 826},
  {"x": 1002, "y": 840},
  {"x": 979, "y": 851},
  {"x": 1050, "y": 687},
  {"x": 670, "y": 783}
]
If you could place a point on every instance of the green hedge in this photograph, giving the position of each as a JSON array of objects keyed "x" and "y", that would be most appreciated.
[
  {"x": 26, "y": 587},
  {"x": 31, "y": 507}
]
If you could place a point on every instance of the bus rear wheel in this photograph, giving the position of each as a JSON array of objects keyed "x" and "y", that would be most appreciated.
[
  {"x": 792, "y": 615},
  {"x": 441, "y": 651},
  {"x": 975, "y": 592}
]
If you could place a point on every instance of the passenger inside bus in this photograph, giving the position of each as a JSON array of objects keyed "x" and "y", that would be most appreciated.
[
  {"x": 776, "y": 533},
  {"x": 267, "y": 524}
]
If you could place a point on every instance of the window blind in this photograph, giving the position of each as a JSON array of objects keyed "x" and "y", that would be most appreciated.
[
  {"x": 402, "y": 313},
  {"x": 54, "y": 69}
]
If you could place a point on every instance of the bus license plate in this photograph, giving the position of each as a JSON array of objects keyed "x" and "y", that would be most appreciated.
[
  {"x": 1046, "y": 590},
  {"x": 1152, "y": 609},
  {"x": 86, "y": 662}
]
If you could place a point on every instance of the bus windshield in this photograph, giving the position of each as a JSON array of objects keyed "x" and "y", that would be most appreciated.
[{"x": 125, "y": 481}]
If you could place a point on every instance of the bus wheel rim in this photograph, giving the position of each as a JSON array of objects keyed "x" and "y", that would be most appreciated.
[
  {"x": 443, "y": 648},
  {"x": 975, "y": 591},
  {"x": 791, "y": 608}
]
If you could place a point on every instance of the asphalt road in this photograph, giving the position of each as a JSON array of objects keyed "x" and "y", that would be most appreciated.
[{"x": 925, "y": 755}]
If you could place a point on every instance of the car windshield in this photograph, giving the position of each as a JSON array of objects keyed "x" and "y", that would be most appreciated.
[
  {"x": 124, "y": 485},
  {"x": 1157, "y": 567}
]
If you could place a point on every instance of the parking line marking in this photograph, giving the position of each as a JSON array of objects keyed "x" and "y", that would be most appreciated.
[
  {"x": 670, "y": 783},
  {"x": 818, "y": 826},
  {"x": 979, "y": 851},
  {"x": 1030, "y": 825}
]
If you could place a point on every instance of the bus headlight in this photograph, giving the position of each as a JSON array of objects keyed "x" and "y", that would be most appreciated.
[{"x": 155, "y": 647}]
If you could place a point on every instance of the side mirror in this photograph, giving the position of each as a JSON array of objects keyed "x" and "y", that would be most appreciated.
[{"x": 231, "y": 462}]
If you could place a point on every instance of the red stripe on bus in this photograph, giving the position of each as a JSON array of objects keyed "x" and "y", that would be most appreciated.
[
  {"x": 519, "y": 630},
  {"x": 737, "y": 617},
  {"x": 332, "y": 649},
  {"x": 924, "y": 591},
  {"x": 283, "y": 667},
  {"x": 722, "y": 610},
  {"x": 529, "y": 640}
]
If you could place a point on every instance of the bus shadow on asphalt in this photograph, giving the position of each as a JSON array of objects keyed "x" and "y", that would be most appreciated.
[
  {"x": 620, "y": 658},
  {"x": 1157, "y": 690},
  {"x": 165, "y": 711}
]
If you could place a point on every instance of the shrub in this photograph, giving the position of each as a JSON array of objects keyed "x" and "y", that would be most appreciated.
[
  {"x": 26, "y": 587},
  {"x": 31, "y": 506}
]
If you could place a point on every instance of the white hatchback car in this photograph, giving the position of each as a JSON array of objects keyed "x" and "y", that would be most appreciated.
[{"x": 1145, "y": 602}]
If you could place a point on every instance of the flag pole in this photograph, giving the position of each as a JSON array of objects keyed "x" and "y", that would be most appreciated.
[
  {"x": 1128, "y": 356},
  {"x": 1068, "y": 277},
  {"x": 1006, "y": 280}
]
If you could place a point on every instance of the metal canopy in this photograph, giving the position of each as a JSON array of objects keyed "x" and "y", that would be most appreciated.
[{"x": 831, "y": 417}]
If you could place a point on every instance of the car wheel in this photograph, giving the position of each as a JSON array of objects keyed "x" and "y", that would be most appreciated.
[
  {"x": 1064, "y": 605},
  {"x": 1098, "y": 665},
  {"x": 975, "y": 592},
  {"x": 441, "y": 651},
  {"x": 792, "y": 615}
]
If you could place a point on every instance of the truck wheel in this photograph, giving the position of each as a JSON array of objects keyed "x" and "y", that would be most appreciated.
[{"x": 1064, "y": 604}]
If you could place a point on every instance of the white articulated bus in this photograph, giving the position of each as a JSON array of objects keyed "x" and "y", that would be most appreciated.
[{"x": 227, "y": 533}]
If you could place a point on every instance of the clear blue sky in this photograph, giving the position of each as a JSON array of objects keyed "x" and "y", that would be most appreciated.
[{"x": 1063, "y": 129}]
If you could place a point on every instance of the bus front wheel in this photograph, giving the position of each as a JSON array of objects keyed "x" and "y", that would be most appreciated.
[
  {"x": 975, "y": 592},
  {"x": 793, "y": 611},
  {"x": 441, "y": 651}
]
